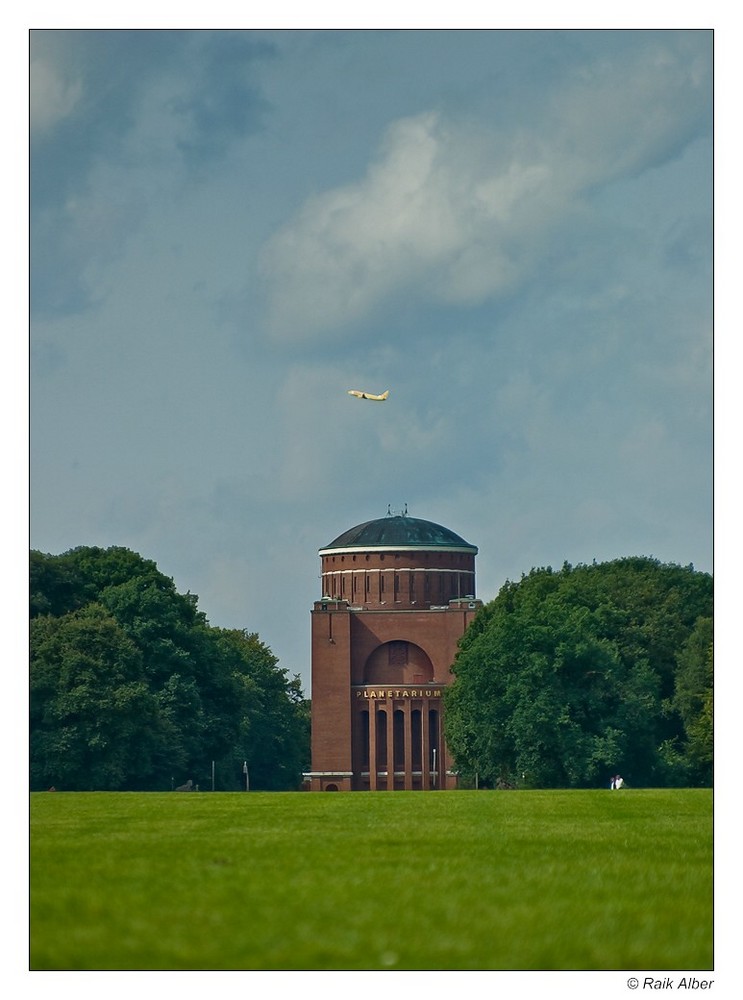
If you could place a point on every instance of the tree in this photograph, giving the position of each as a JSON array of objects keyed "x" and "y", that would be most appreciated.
[
  {"x": 94, "y": 721},
  {"x": 569, "y": 676},
  {"x": 132, "y": 688},
  {"x": 693, "y": 700},
  {"x": 273, "y": 726},
  {"x": 64, "y": 583}
]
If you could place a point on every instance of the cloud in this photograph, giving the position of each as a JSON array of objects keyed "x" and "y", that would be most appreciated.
[
  {"x": 456, "y": 212},
  {"x": 510, "y": 231},
  {"x": 354, "y": 245},
  {"x": 221, "y": 101},
  {"x": 122, "y": 123},
  {"x": 52, "y": 97}
]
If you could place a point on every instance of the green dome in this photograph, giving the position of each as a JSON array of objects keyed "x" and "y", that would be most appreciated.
[{"x": 398, "y": 531}]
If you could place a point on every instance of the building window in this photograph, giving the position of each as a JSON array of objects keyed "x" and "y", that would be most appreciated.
[
  {"x": 433, "y": 729},
  {"x": 397, "y": 653},
  {"x": 365, "y": 740},
  {"x": 381, "y": 740},
  {"x": 416, "y": 739},
  {"x": 398, "y": 726}
]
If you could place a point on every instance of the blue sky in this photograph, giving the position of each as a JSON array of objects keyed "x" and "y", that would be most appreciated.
[{"x": 509, "y": 230}]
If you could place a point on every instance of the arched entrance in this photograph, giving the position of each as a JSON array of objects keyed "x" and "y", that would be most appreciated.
[{"x": 398, "y": 662}]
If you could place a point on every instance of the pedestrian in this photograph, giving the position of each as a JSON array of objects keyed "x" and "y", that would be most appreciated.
[{"x": 619, "y": 781}]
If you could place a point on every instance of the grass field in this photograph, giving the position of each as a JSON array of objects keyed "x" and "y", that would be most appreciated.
[{"x": 528, "y": 880}]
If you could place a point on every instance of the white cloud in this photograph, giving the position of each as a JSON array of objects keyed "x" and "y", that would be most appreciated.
[
  {"x": 571, "y": 421},
  {"x": 458, "y": 212},
  {"x": 52, "y": 97},
  {"x": 410, "y": 220}
]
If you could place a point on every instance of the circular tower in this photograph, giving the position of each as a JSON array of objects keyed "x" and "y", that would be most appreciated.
[
  {"x": 398, "y": 562},
  {"x": 397, "y": 594}
]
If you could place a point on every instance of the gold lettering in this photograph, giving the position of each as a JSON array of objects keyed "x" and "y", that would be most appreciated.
[{"x": 399, "y": 693}]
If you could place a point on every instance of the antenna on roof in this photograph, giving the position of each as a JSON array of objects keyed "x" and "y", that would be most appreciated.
[{"x": 397, "y": 513}]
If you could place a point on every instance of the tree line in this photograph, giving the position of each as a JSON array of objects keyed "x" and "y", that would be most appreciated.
[
  {"x": 131, "y": 688},
  {"x": 564, "y": 679},
  {"x": 571, "y": 676}
]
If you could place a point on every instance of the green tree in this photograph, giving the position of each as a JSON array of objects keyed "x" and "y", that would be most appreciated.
[
  {"x": 569, "y": 676},
  {"x": 94, "y": 721},
  {"x": 53, "y": 589},
  {"x": 693, "y": 700},
  {"x": 132, "y": 688},
  {"x": 273, "y": 733},
  {"x": 64, "y": 583}
]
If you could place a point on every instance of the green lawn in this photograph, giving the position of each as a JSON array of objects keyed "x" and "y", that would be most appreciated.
[{"x": 531, "y": 880}]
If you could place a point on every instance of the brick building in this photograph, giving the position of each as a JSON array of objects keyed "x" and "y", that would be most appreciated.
[{"x": 397, "y": 594}]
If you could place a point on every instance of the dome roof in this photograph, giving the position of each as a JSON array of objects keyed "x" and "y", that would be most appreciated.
[{"x": 398, "y": 531}]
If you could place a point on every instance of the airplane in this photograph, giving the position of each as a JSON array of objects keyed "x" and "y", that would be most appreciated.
[{"x": 369, "y": 395}]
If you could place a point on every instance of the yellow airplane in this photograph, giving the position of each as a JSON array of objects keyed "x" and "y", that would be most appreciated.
[{"x": 369, "y": 395}]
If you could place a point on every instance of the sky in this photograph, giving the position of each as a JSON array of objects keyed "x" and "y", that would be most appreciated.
[{"x": 511, "y": 230}]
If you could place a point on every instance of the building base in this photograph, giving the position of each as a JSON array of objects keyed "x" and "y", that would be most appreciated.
[
  {"x": 327, "y": 781},
  {"x": 346, "y": 781}
]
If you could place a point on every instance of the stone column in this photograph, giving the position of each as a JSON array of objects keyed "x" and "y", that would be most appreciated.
[
  {"x": 390, "y": 745},
  {"x": 425, "y": 731},
  {"x": 408, "y": 730}
]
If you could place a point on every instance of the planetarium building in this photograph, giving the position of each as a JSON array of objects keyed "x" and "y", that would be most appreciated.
[{"x": 397, "y": 594}]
